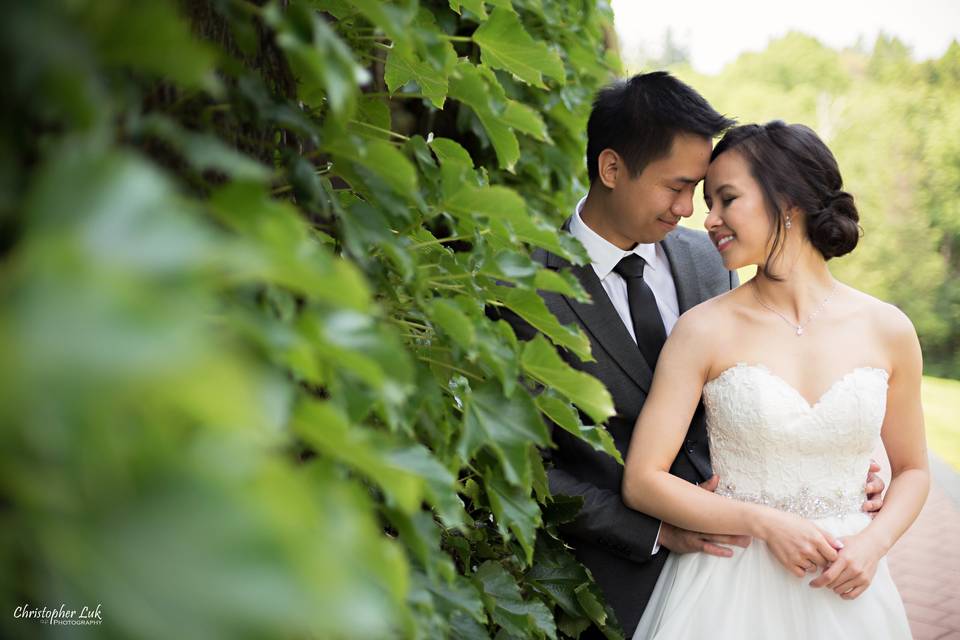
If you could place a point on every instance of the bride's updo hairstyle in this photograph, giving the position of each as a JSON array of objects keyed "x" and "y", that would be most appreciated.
[{"x": 794, "y": 168}]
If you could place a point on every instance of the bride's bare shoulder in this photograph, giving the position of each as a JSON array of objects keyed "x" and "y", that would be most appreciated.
[
  {"x": 891, "y": 326},
  {"x": 887, "y": 319},
  {"x": 710, "y": 316}
]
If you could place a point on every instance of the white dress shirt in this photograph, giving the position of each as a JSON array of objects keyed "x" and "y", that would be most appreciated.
[{"x": 604, "y": 256}]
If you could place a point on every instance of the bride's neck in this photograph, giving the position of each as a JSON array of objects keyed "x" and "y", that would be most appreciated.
[{"x": 805, "y": 281}]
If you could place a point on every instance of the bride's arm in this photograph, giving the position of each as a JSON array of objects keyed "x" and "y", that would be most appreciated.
[
  {"x": 648, "y": 486},
  {"x": 903, "y": 438}
]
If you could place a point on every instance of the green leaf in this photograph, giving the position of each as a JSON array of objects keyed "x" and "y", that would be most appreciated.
[
  {"x": 458, "y": 595},
  {"x": 323, "y": 64},
  {"x": 505, "y": 205},
  {"x": 505, "y": 44},
  {"x": 453, "y": 321},
  {"x": 525, "y": 118},
  {"x": 515, "y": 266},
  {"x": 514, "y": 509},
  {"x": 556, "y": 574},
  {"x": 566, "y": 417},
  {"x": 380, "y": 158},
  {"x": 204, "y": 151},
  {"x": 591, "y": 603},
  {"x": 429, "y": 64},
  {"x": 451, "y": 152},
  {"x": 474, "y": 6},
  {"x": 508, "y": 608},
  {"x": 419, "y": 532},
  {"x": 392, "y": 19},
  {"x": 560, "y": 509},
  {"x": 479, "y": 89},
  {"x": 325, "y": 428},
  {"x": 562, "y": 282},
  {"x": 456, "y": 166},
  {"x": 541, "y": 362},
  {"x": 497, "y": 348},
  {"x": 506, "y": 426},
  {"x": 374, "y": 114},
  {"x": 403, "y": 67},
  {"x": 531, "y": 307},
  {"x": 440, "y": 485},
  {"x": 492, "y": 202},
  {"x": 541, "y": 485},
  {"x": 152, "y": 37},
  {"x": 280, "y": 248},
  {"x": 465, "y": 201},
  {"x": 353, "y": 341}
]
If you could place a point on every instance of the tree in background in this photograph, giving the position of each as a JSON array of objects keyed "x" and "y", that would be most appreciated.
[{"x": 248, "y": 386}]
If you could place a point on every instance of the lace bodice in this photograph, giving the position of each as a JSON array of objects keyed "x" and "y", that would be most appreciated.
[{"x": 769, "y": 445}]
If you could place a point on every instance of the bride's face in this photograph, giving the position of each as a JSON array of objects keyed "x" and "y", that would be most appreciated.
[{"x": 737, "y": 222}]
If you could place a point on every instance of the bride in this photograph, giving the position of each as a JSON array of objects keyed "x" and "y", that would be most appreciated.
[{"x": 800, "y": 376}]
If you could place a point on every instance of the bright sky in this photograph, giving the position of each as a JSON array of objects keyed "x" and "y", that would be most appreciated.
[{"x": 716, "y": 32}]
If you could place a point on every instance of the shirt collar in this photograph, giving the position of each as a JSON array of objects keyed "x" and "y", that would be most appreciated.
[{"x": 605, "y": 255}]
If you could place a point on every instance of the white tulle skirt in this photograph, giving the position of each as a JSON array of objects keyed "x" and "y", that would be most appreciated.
[{"x": 751, "y": 595}]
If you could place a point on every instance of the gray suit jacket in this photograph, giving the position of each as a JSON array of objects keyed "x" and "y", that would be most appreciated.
[{"x": 612, "y": 540}]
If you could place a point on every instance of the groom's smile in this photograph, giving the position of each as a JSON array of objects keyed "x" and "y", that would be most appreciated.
[{"x": 669, "y": 224}]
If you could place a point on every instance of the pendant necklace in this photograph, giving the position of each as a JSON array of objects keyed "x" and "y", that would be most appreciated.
[{"x": 796, "y": 326}]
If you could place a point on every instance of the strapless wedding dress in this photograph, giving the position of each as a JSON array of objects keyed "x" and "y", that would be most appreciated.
[{"x": 769, "y": 445}]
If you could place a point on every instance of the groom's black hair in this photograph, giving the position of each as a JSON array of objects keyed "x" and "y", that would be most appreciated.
[{"x": 639, "y": 117}]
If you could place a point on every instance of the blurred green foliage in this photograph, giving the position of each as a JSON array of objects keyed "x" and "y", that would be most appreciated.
[
  {"x": 248, "y": 386},
  {"x": 892, "y": 123},
  {"x": 941, "y": 397}
]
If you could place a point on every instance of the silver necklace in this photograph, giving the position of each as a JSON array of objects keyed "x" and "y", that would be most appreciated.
[{"x": 798, "y": 327}]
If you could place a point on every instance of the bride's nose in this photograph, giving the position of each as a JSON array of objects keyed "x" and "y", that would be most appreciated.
[{"x": 712, "y": 221}]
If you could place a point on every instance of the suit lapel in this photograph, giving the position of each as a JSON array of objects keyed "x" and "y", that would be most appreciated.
[
  {"x": 683, "y": 269},
  {"x": 601, "y": 320}
]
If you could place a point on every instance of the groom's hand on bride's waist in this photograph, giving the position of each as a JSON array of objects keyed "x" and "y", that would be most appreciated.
[
  {"x": 680, "y": 540},
  {"x": 875, "y": 486}
]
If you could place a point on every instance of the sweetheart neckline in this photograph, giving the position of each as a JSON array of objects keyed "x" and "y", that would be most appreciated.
[{"x": 811, "y": 406}]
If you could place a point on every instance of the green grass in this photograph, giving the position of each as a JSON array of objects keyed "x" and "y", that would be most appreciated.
[{"x": 941, "y": 410}]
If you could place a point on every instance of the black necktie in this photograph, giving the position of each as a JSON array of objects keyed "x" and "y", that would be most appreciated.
[{"x": 647, "y": 322}]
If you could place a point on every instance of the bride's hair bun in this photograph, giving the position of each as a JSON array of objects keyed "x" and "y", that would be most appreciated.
[{"x": 833, "y": 230}]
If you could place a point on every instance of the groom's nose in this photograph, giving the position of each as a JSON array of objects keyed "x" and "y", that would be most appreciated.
[{"x": 682, "y": 206}]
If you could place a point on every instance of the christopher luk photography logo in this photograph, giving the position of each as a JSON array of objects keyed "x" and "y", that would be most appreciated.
[{"x": 62, "y": 615}]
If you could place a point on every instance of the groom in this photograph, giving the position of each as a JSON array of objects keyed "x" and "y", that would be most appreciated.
[{"x": 649, "y": 140}]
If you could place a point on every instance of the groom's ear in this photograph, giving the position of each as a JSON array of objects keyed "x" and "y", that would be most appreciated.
[{"x": 610, "y": 167}]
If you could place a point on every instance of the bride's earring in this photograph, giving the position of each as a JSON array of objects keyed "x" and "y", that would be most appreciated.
[{"x": 788, "y": 224}]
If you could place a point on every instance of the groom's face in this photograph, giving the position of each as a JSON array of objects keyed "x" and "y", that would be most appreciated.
[{"x": 646, "y": 207}]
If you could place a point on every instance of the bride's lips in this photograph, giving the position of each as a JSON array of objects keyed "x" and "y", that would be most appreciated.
[{"x": 722, "y": 242}]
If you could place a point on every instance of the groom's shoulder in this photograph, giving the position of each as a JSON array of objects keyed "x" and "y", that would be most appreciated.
[
  {"x": 698, "y": 240},
  {"x": 700, "y": 247}
]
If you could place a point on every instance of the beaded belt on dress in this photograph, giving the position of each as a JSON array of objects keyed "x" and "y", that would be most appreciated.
[{"x": 805, "y": 504}]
